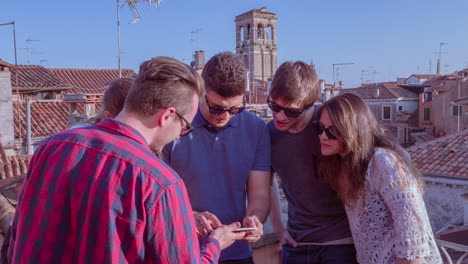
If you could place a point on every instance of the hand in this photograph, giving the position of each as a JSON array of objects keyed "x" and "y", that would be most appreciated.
[
  {"x": 252, "y": 235},
  {"x": 285, "y": 238},
  {"x": 226, "y": 236},
  {"x": 206, "y": 222}
]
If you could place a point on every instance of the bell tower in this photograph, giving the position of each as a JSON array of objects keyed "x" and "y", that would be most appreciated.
[{"x": 256, "y": 42}]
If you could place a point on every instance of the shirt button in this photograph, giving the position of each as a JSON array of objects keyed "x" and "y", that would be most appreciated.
[{"x": 216, "y": 138}]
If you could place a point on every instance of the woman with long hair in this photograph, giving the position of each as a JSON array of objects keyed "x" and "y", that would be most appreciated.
[
  {"x": 378, "y": 184},
  {"x": 112, "y": 102}
]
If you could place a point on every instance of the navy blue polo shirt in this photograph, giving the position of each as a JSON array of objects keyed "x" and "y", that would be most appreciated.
[{"x": 215, "y": 166}]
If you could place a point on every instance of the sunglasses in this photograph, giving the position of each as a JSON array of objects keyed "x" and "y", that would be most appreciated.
[
  {"x": 289, "y": 112},
  {"x": 187, "y": 128},
  {"x": 216, "y": 110},
  {"x": 319, "y": 128}
]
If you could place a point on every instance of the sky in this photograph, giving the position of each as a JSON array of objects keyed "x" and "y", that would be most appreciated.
[{"x": 384, "y": 39}]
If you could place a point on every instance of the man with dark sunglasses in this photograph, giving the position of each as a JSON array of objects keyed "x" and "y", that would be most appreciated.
[
  {"x": 317, "y": 230},
  {"x": 226, "y": 158}
]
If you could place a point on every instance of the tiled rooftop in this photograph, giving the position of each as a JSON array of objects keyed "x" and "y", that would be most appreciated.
[
  {"x": 445, "y": 156},
  {"x": 4, "y": 63},
  {"x": 31, "y": 77},
  {"x": 89, "y": 81},
  {"x": 47, "y": 118},
  {"x": 425, "y": 76},
  {"x": 386, "y": 91}
]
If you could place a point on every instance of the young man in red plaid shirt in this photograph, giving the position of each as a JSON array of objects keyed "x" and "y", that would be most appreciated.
[{"x": 98, "y": 194}]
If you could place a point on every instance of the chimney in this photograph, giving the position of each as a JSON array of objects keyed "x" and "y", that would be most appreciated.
[
  {"x": 199, "y": 58},
  {"x": 438, "y": 66},
  {"x": 322, "y": 89},
  {"x": 340, "y": 84},
  {"x": 377, "y": 93},
  {"x": 6, "y": 108}
]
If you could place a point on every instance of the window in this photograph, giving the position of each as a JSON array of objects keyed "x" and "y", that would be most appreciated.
[
  {"x": 400, "y": 108},
  {"x": 457, "y": 109},
  {"x": 386, "y": 113},
  {"x": 260, "y": 32},
  {"x": 427, "y": 114}
]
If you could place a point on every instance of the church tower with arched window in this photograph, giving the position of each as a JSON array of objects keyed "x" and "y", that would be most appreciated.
[{"x": 256, "y": 42}]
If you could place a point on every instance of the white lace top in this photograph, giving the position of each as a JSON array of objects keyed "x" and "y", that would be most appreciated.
[{"x": 389, "y": 219}]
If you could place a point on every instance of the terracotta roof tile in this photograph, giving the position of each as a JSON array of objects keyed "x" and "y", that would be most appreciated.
[
  {"x": 5, "y": 64},
  {"x": 89, "y": 81},
  {"x": 47, "y": 118},
  {"x": 25, "y": 77},
  {"x": 425, "y": 76},
  {"x": 386, "y": 91},
  {"x": 446, "y": 155}
]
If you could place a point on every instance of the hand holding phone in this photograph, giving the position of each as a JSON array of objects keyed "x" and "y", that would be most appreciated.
[{"x": 244, "y": 229}]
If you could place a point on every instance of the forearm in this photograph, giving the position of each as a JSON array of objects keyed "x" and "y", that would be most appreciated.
[
  {"x": 259, "y": 208},
  {"x": 275, "y": 211},
  {"x": 258, "y": 191},
  {"x": 407, "y": 261}
]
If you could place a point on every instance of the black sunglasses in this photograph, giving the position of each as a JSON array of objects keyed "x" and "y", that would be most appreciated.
[
  {"x": 329, "y": 131},
  {"x": 186, "y": 128},
  {"x": 289, "y": 112},
  {"x": 216, "y": 110}
]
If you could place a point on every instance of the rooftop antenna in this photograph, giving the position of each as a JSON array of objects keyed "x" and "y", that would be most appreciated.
[
  {"x": 430, "y": 66},
  {"x": 441, "y": 44},
  {"x": 28, "y": 48},
  {"x": 364, "y": 73},
  {"x": 194, "y": 38},
  {"x": 136, "y": 17},
  {"x": 445, "y": 68},
  {"x": 339, "y": 64},
  {"x": 14, "y": 38}
]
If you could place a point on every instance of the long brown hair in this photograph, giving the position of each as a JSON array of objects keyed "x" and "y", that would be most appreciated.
[
  {"x": 360, "y": 134},
  {"x": 114, "y": 99}
]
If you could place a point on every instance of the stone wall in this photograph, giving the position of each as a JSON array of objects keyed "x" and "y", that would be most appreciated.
[
  {"x": 6, "y": 110},
  {"x": 444, "y": 202}
]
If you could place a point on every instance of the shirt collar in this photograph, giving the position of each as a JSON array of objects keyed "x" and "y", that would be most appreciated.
[
  {"x": 199, "y": 120},
  {"x": 117, "y": 127}
]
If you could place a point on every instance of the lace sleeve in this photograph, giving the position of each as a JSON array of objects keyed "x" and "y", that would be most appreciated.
[{"x": 401, "y": 194}]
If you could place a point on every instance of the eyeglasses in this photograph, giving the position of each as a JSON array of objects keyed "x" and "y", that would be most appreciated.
[
  {"x": 289, "y": 112},
  {"x": 186, "y": 128},
  {"x": 329, "y": 131},
  {"x": 215, "y": 110}
]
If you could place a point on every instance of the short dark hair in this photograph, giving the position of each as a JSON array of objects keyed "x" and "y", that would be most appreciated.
[
  {"x": 295, "y": 81},
  {"x": 164, "y": 82},
  {"x": 225, "y": 74}
]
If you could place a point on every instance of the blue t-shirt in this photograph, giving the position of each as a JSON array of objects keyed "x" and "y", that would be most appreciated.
[{"x": 215, "y": 166}]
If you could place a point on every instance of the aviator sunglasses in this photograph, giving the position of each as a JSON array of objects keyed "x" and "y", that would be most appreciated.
[
  {"x": 289, "y": 112},
  {"x": 216, "y": 110},
  {"x": 319, "y": 128}
]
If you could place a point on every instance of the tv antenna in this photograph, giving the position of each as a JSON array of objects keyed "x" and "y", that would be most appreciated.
[
  {"x": 339, "y": 64},
  {"x": 29, "y": 50},
  {"x": 194, "y": 38},
  {"x": 132, "y": 4}
]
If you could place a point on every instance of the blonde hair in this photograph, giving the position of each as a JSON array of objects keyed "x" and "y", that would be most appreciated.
[{"x": 360, "y": 134}]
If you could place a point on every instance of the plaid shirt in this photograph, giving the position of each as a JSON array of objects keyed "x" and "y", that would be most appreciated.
[{"x": 99, "y": 195}]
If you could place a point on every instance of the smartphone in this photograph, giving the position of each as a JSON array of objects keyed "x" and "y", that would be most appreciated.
[{"x": 244, "y": 229}]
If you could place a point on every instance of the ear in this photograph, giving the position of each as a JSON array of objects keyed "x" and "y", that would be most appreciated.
[{"x": 165, "y": 115}]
